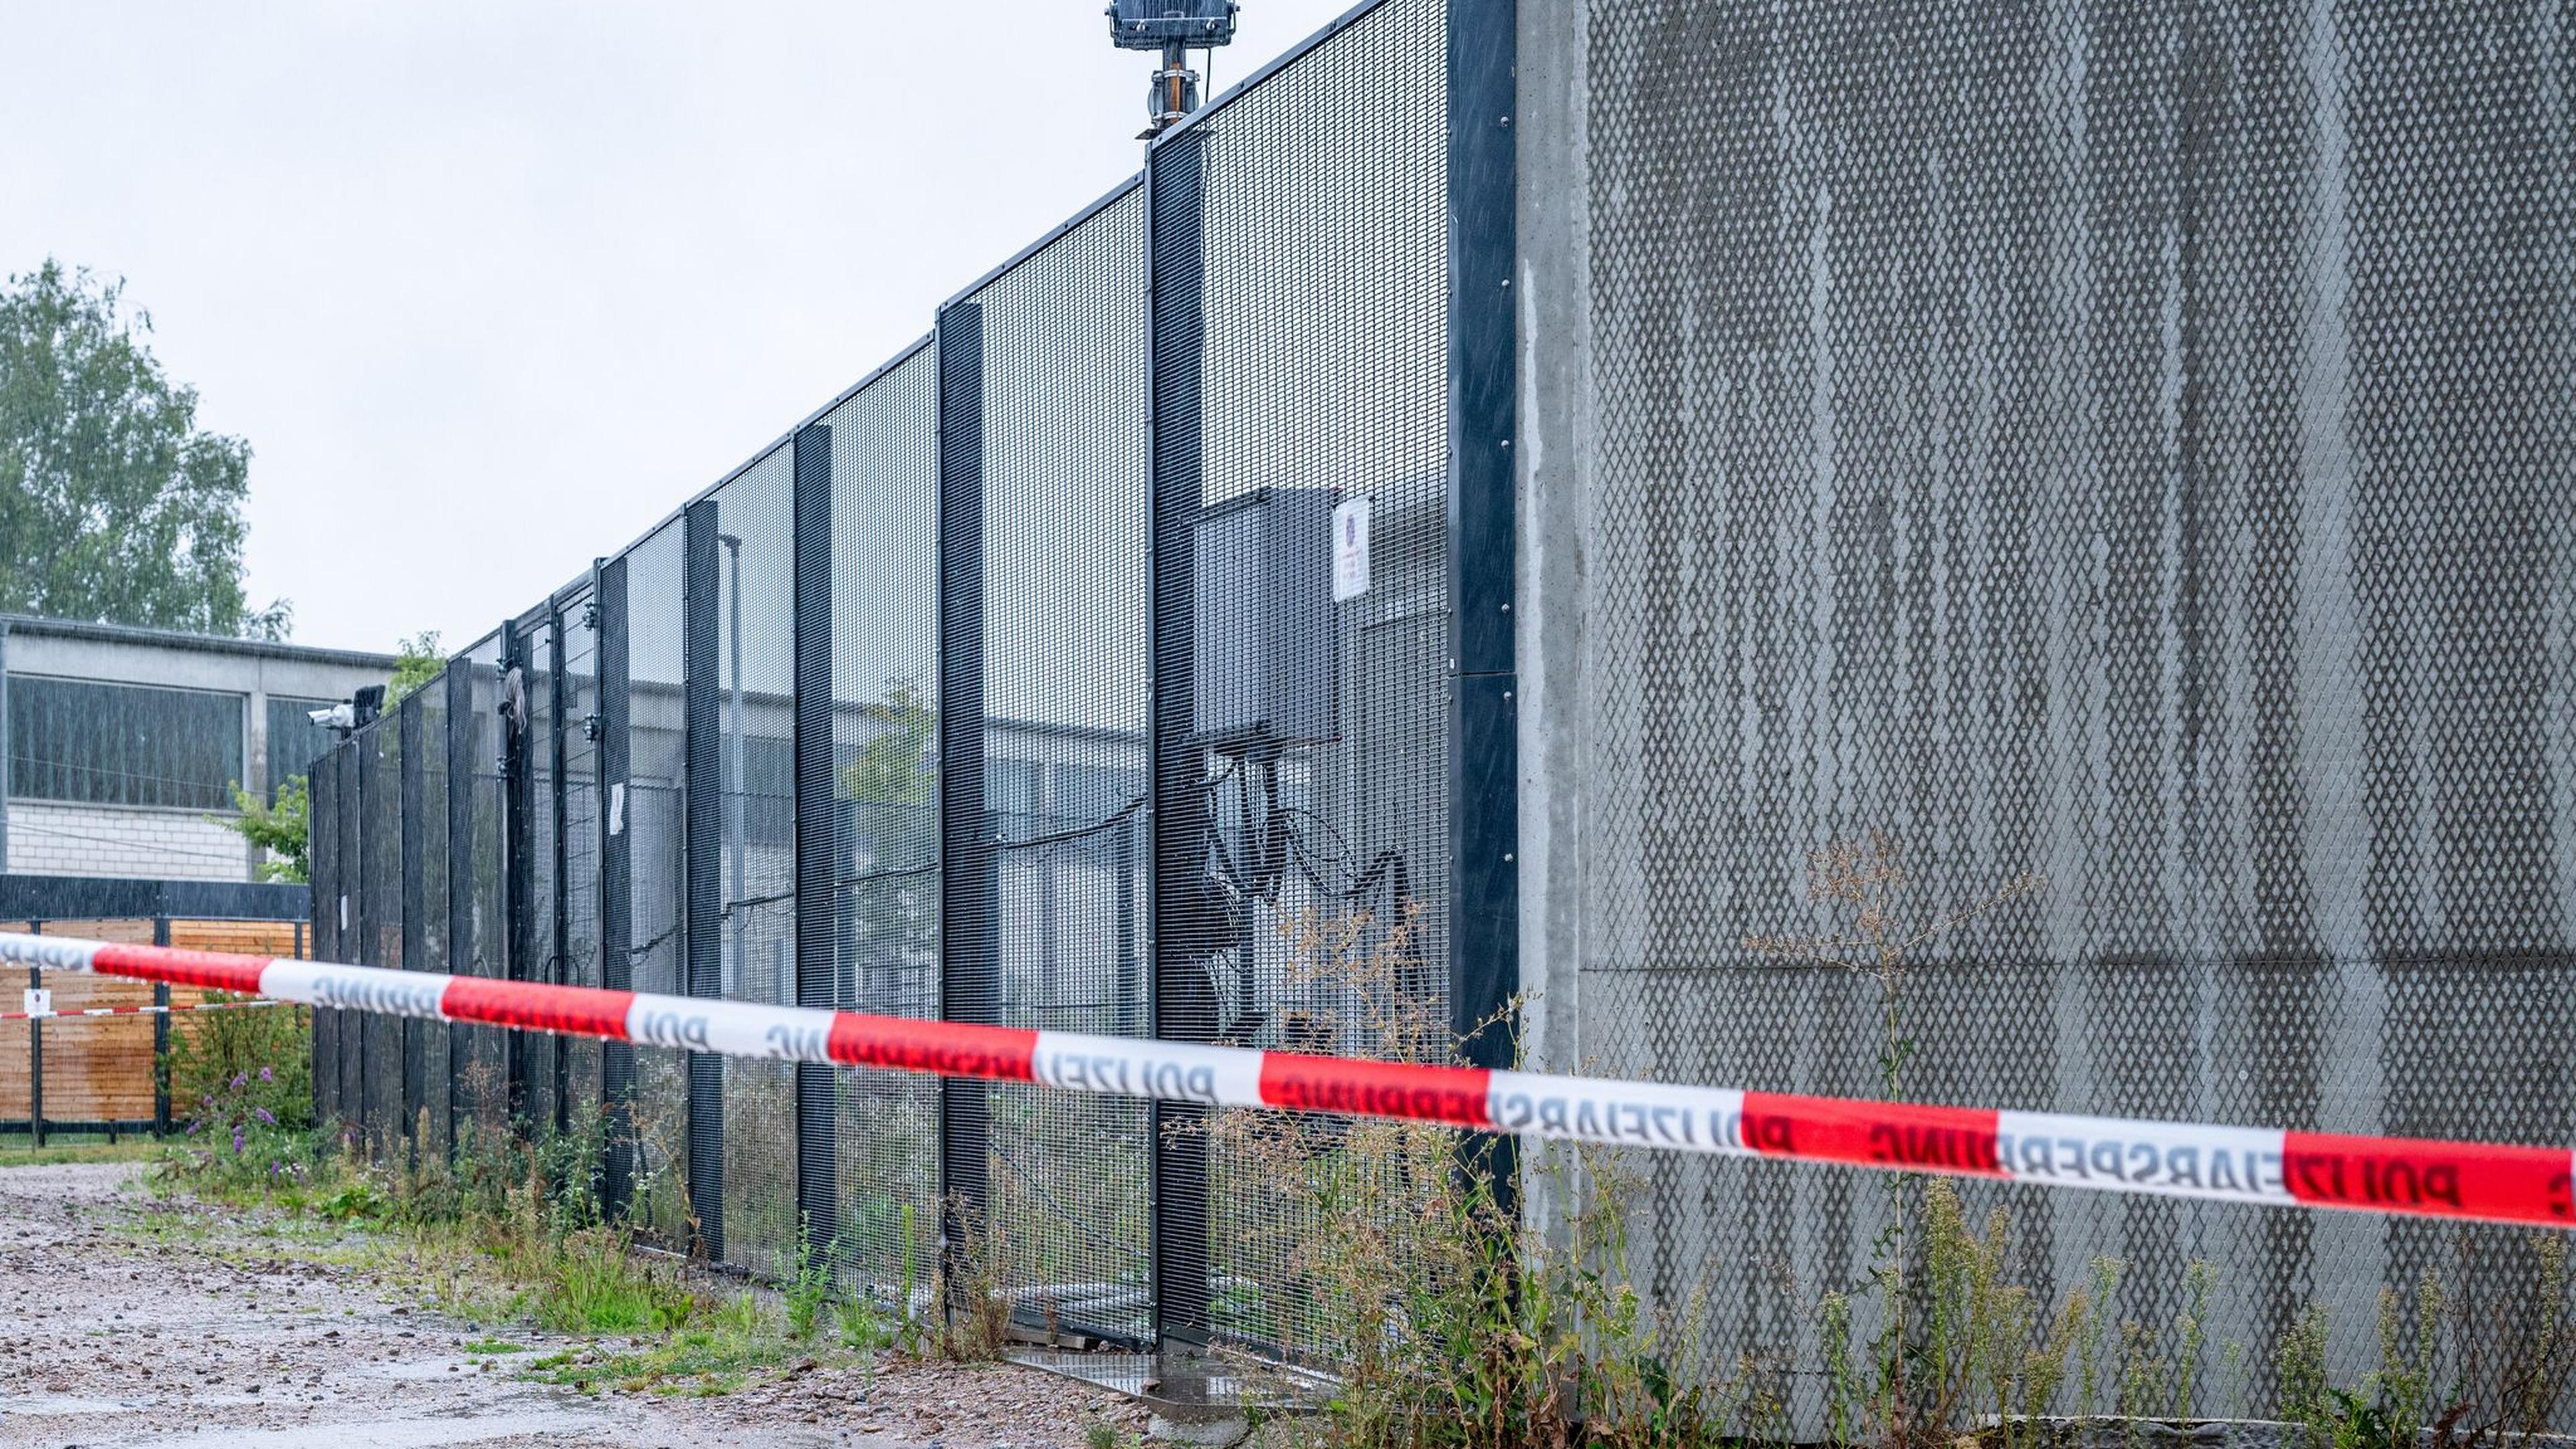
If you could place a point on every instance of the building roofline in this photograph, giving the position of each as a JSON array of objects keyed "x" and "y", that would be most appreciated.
[{"x": 194, "y": 643}]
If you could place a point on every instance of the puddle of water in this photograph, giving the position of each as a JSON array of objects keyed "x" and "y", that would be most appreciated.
[{"x": 384, "y": 1433}]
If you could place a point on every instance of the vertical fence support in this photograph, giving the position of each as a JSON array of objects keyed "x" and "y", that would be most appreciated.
[
  {"x": 363, "y": 923},
  {"x": 35, "y": 1056},
  {"x": 1484, "y": 758},
  {"x": 414, "y": 803},
  {"x": 970, "y": 957},
  {"x": 352, "y": 920},
  {"x": 616, "y": 900},
  {"x": 818, "y": 1174},
  {"x": 464, "y": 955},
  {"x": 518, "y": 801},
  {"x": 702, "y": 797},
  {"x": 1183, "y": 1006},
  {"x": 161, "y": 1038},
  {"x": 559, "y": 949}
]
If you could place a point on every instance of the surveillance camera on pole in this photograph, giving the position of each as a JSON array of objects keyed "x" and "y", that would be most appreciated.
[{"x": 1174, "y": 27}]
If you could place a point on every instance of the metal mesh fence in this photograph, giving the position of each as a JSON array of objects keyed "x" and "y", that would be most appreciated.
[
  {"x": 428, "y": 1069},
  {"x": 538, "y": 828},
  {"x": 885, "y": 793},
  {"x": 756, "y": 664},
  {"x": 2122, "y": 443},
  {"x": 582, "y": 825},
  {"x": 1313, "y": 756},
  {"x": 1049, "y": 385},
  {"x": 651, "y": 816},
  {"x": 2085, "y": 440},
  {"x": 873, "y": 723},
  {"x": 322, "y": 869},
  {"x": 385, "y": 1088}
]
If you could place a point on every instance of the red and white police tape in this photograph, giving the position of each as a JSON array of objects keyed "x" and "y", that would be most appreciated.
[
  {"x": 2173, "y": 1159},
  {"x": 89, "y": 1011}
]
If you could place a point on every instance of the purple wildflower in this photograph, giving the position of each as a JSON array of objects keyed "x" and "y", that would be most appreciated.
[
  {"x": 262, "y": 1114},
  {"x": 266, "y": 1075},
  {"x": 237, "y": 1139},
  {"x": 240, "y": 1080}
]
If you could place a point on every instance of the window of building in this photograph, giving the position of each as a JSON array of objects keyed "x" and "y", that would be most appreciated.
[
  {"x": 123, "y": 744},
  {"x": 294, "y": 740}
]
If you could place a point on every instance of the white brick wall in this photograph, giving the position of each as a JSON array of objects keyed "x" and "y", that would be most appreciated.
[{"x": 49, "y": 839}]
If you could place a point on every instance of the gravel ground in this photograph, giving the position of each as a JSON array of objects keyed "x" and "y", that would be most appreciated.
[{"x": 130, "y": 1320}]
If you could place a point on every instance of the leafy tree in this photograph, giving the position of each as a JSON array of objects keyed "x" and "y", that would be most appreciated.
[
  {"x": 114, "y": 504},
  {"x": 416, "y": 662},
  {"x": 893, "y": 790},
  {"x": 284, "y": 830}
]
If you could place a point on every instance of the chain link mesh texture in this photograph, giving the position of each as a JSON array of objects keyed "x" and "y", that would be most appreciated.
[{"x": 2124, "y": 442}]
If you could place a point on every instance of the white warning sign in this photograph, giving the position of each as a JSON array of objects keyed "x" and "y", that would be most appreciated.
[{"x": 1351, "y": 549}]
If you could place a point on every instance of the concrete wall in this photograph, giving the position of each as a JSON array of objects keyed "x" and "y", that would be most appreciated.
[{"x": 77, "y": 838}]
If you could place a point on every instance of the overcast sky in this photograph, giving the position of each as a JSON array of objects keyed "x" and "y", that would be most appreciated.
[{"x": 492, "y": 285}]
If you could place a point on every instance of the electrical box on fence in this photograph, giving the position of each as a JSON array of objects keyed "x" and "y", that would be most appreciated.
[{"x": 1265, "y": 656}]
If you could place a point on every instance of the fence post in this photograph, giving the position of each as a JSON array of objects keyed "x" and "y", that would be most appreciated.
[
  {"x": 161, "y": 1038},
  {"x": 1484, "y": 748},
  {"x": 817, "y": 862},
  {"x": 461, "y": 952},
  {"x": 35, "y": 1056},
  {"x": 969, "y": 964},
  {"x": 413, "y": 803},
  {"x": 559, "y": 951},
  {"x": 702, "y": 796},
  {"x": 518, "y": 873},
  {"x": 1183, "y": 1005},
  {"x": 361, "y": 912},
  {"x": 613, "y": 758},
  {"x": 349, "y": 844}
]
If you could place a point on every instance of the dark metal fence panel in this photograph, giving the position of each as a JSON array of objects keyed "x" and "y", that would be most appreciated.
[
  {"x": 425, "y": 924},
  {"x": 580, "y": 824},
  {"x": 381, "y": 1095},
  {"x": 353, "y": 928},
  {"x": 322, "y": 857},
  {"x": 539, "y": 827},
  {"x": 702, "y": 859},
  {"x": 818, "y": 1166},
  {"x": 1303, "y": 874},
  {"x": 616, "y": 934},
  {"x": 756, "y": 655},
  {"x": 477, "y": 944},
  {"x": 655, "y": 831},
  {"x": 2123, "y": 443},
  {"x": 1056, "y": 853},
  {"x": 885, "y": 823}
]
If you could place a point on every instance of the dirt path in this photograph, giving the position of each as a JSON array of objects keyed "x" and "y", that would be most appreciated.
[{"x": 127, "y": 1320}]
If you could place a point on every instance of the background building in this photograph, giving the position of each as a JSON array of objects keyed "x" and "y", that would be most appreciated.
[{"x": 123, "y": 744}]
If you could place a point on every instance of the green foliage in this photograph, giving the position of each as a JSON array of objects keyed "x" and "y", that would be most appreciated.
[
  {"x": 417, "y": 661},
  {"x": 284, "y": 830},
  {"x": 114, "y": 504},
  {"x": 894, "y": 767},
  {"x": 229, "y": 1069}
]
